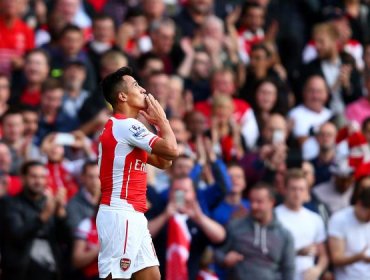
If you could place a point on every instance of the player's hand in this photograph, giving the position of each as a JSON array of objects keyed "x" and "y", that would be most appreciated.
[
  {"x": 154, "y": 113},
  {"x": 232, "y": 258}
]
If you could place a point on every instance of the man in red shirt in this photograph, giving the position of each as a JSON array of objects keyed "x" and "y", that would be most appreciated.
[
  {"x": 125, "y": 147},
  {"x": 15, "y": 37}
]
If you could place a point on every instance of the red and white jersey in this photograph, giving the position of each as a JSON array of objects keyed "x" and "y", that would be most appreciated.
[{"x": 124, "y": 144}]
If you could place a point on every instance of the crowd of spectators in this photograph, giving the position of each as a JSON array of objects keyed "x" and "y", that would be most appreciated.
[{"x": 269, "y": 101}]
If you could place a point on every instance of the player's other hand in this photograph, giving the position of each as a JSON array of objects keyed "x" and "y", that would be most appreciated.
[{"x": 154, "y": 113}]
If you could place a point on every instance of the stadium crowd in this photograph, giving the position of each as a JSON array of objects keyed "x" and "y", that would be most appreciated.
[{"x": 270, "y": 104}]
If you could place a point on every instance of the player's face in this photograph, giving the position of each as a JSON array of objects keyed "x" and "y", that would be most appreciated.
[{"x": 135, "y": 93}]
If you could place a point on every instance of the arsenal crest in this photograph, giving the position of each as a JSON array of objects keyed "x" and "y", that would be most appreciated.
[{"x": 125, "y": 264}]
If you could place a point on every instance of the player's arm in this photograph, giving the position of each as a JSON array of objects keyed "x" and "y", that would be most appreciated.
[
  {"x": 164, "y": 149},
  {"x": 159, "y": 162}
]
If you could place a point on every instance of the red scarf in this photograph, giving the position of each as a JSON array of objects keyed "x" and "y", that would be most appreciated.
[{"x": 178, "y": 247}]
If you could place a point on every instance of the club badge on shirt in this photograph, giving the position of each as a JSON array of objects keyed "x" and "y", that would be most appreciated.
[{"x": 125, "y": 264}]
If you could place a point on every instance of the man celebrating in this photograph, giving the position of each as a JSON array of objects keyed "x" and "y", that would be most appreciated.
[{"x": 126, "y": 146}]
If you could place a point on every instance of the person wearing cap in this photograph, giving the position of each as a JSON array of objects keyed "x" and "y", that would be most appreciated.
[
  {"x": 337, "y": 193},
  {"x": 349, "y": 240}
]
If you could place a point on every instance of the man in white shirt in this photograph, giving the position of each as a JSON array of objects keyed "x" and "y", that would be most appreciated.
[
  {"x": 311, "y": 114},
  {"x": 349, "y": 240},
  {"x": 307, "y": 227}
]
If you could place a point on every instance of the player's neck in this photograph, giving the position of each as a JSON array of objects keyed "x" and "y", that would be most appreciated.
[{"x": 128, "y": 112}]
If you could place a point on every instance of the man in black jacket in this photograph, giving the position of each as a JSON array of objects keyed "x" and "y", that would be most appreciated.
[{"x": 34, "y": 221}]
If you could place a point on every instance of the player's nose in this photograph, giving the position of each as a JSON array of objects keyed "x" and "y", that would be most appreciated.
[{"x": 143, "y": 90}]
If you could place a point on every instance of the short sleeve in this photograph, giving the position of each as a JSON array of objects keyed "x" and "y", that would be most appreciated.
[
  {"x": 134, "y": 133},
  {"x": 321, "y": 233},
  {"x": 83, "y": 229},
  {"x": 336, "y": 227}
]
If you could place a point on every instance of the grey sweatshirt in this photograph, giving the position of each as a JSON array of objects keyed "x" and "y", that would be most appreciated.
[{"x": 268, "y": 250}]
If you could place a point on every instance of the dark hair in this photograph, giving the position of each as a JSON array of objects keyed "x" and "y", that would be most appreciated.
[
  {"x": 101, "y": 16},
  {"x": 134, "y": 12},
  {"x": 262, "y": 47},
  {"x": 70, "y": 28},
  {"x": 112, "y": 83},
  {"x": 263, "y": 186},
  {"x": 88, "y": 164},
  {"x": 51, "y": 84},
  {"x": 40, "y": 51},
  {"x": 25, "y": 168},
  {"x": 9, "y": 112},
  {"x": 143, "y": 59},
  {"x": 364, "y": 197},
  {"x": 76, "y": 63}
]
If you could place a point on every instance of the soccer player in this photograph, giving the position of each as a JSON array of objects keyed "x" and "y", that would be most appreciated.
[{"x": 126, "y": 146}]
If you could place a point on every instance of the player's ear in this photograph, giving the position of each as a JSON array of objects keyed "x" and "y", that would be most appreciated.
[{"x": 122, "y": 96}]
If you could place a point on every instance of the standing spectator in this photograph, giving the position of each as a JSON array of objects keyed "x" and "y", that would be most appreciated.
[
  {"x": 84, "y": 204},
  {"x": 69, "y": 49},
  {"x": 234, "y": 205},
  {"x": 327, "y": 150},
  {"x": 349, "y": 240},
  {"x": 154, "y": 10},
  {"x": 337, "y": 193},
  {"x": 223, "y": 83},
  {"x": 22, "y": 149},
  {"x": 102, "y": 41},
  {"x": 158, "y": 85},
  {"x": 311, "y": 114},
  {"x": 250, "y": 31},
  {"x": 307, "y": 228},
  {"x": 359, "y": 19},
  {"x": 16, "y": 38},
  {"x": 162, "y": 34},
  {"x": 148, "y": 64},
  {"x": 28, "y": 83},
  {"x": 51, "y": 117},
  {"x": 192, "y": 16},
  {"x": 194, "y": 223},
  {"x": 258, "y": 247},
  {"x": 35, "y": 224},
  {"x": 337, "y": 68}
]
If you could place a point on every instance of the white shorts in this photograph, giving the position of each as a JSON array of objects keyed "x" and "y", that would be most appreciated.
[{"x": 125, "y": 242}]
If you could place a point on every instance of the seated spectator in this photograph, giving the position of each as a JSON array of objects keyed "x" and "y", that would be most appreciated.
[
  {"x": 84, "y": 204},
  {"x": 16, "y": 37},
  {"x": 326, "y": 137},
  {"x": 311, "y": 114},
  {"x": 306, "y": 227},
  {"x": 51, "y": 116},
  {"x": 223, "y": 83},
  {"x": 359, "y": 110},
  {"x": 258, "y": 247},
  {"x": 28, "y": 83},
  {"x": 337, "y": 193},
  {"x": 348, "y": 239},
  {"x": 35, "y": 222},
  {"x": 183, "y": 215}
]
